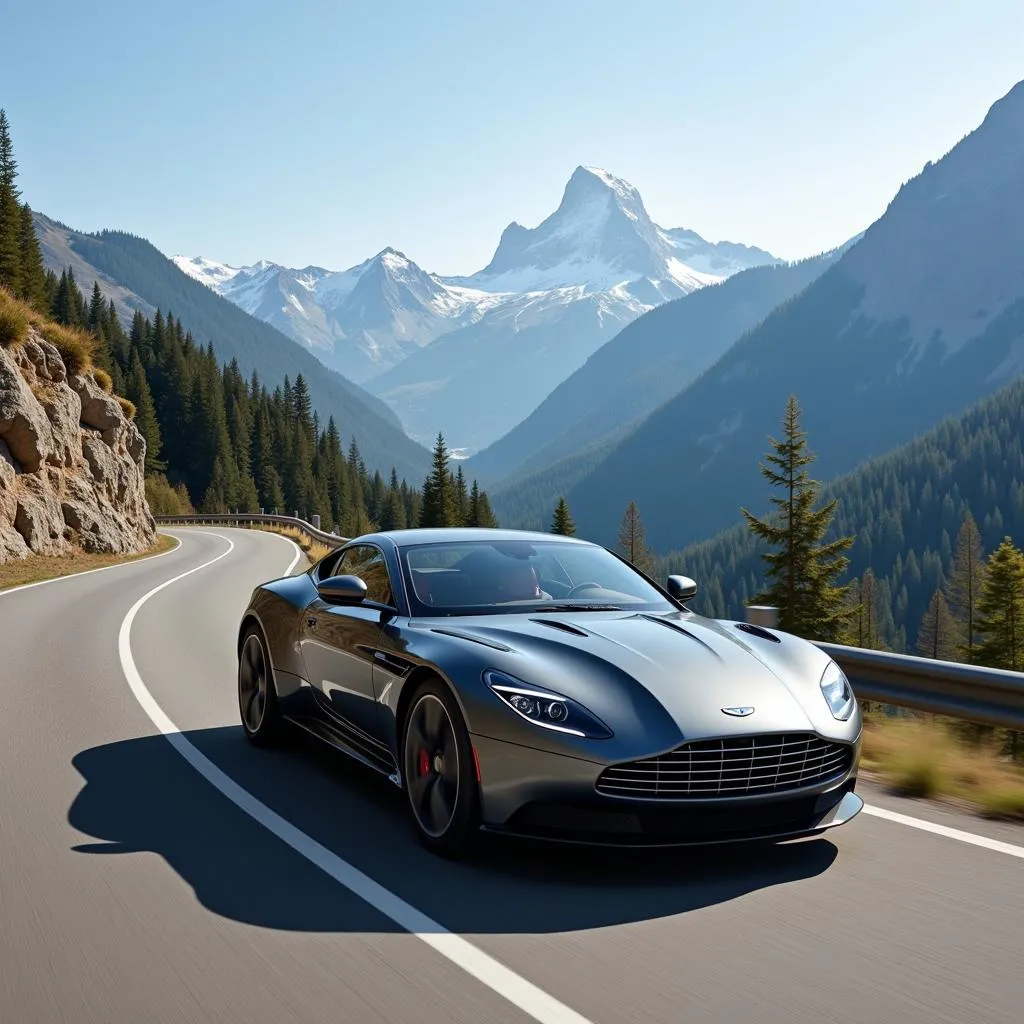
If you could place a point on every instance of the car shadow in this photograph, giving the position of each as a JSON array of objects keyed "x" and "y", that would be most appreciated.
[{"x": 140, "y": 795}]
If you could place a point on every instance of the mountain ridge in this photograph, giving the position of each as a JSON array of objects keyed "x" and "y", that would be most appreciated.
[
  {"x": 645, "y": 364},
  {"x": 599, "y": 251},
  {"x": 921, "y": 317},
  {"x": 135, "y": 273}
]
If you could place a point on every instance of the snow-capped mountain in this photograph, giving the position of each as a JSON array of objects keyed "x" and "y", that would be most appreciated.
[
  {"x": 600, "y": 236},
  {"x": 364, "y": 319},
  {"x": 596, "y": 263}
]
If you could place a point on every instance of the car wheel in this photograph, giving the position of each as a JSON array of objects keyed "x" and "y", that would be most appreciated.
[
  {"x": 437, "y": 769},
  {"x": 257, "y": 696}
]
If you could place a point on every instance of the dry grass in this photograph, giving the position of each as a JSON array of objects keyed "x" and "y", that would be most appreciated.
[
  {"x": 103, "y": 379},
  {"x": 75, "y": 347},
  {"x": 15, "y": 318},
  {"x": 36, "y": 568},
  {"x": 127, "y": 407},
  {"x": 923, "y": 756},
  {"x": 312, "y": 550}
]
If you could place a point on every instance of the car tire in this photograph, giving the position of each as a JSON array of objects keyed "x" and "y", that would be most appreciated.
[
  {"x": 257, "y": 693},
  {"x": 438, "y": 771}
]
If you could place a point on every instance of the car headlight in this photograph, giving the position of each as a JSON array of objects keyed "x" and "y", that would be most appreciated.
[
  {"x": 838, "y": 692},
  {"x": 545, "y": 708}
]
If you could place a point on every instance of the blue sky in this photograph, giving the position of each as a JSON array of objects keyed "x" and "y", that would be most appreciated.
[{"x": 316, "y": 132}]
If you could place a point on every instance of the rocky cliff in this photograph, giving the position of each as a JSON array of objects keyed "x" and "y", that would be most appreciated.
[{"x": 71, "y": 462}]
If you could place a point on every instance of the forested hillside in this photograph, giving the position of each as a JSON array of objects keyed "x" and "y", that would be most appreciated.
[
  {"x": 905, "y": 510},
  {"x": 141, "y": 268},
  {"x": 229, "y": 443}
]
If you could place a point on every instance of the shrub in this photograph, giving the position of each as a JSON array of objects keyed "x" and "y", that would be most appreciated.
[
  {"x": 75, "y": 347},
  {"x": 163, "y": 499},
  {"x": 103, "y": 379},
  {"x": 14, "y": 321},
  {"x": 127, "y": 407},
  {"x": 1005, "y": 800}
]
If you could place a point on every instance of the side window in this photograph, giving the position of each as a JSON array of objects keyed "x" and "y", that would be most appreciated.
[
  {"x": 330, "y": 566},
  {"x": 368, "y": 564}
]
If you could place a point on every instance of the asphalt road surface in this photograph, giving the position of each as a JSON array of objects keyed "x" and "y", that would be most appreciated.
[{"x": 155, "y": 868}]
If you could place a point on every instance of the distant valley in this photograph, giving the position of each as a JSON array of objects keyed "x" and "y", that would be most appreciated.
[{"x": 473, "y": 356}]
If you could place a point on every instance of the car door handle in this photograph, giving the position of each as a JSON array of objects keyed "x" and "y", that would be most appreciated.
[{"x": 311, "y": 621}]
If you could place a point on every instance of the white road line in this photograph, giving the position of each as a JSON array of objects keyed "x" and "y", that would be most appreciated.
[
  {"x": 517, "y": 990},
  {"x": 944, "y": 830},
  {"x": 89, "y": 572},
  {"x": 513, "y": 987}
]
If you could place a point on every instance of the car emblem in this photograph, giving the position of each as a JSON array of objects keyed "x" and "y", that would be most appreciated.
[{"x": 739, "y": 712}]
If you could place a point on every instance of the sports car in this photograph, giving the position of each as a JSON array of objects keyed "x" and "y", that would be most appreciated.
[{"x": 541, "y": 685}]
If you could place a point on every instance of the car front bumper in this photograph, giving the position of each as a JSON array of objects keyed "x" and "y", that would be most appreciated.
[{"x": 540, "y": 795}]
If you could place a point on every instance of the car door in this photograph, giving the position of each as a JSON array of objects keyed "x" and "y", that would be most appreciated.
[{"x": 339, "y": 642}]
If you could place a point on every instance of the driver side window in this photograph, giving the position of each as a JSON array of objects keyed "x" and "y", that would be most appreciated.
[{"x": 369, "y": 565}]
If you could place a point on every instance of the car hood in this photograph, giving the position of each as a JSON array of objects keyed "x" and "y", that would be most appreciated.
[{"x": 621, "y": 665}]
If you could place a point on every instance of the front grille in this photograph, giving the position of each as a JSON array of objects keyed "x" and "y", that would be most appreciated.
[{"x": 734, "y": 766}]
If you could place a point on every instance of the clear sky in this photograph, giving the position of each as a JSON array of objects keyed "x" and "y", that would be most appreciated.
[{"x": 320, "y": 132}]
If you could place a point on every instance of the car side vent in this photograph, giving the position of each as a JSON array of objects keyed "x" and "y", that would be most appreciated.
[
  {"x": 760, "y": 631},
  {"x": 493, "y": 644},
  {"x": 565, "y": 627}
]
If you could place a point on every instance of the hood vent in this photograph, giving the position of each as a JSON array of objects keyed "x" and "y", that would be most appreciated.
[
  {"x": 678, "y": 629},
  {"x": 493, "y": 644},
  {"x": 760, "y": 631},
  {"x": 565, "y": 627}
]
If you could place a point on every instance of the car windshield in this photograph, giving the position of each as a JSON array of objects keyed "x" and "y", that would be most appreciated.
[{"x": 494, "y": 577}]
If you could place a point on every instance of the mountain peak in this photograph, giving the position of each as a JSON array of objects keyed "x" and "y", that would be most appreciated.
[
  {"x": 393, "y": 259},
  {"x": 592, "y": 179},
  {"x": 600, "y": 236}
]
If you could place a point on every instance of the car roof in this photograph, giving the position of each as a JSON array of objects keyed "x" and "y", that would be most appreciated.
[{"x": 462, "y": 535}]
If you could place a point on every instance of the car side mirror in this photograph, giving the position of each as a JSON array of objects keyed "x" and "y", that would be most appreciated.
[
  {"x": 682, "y": 588},
  {"x": 342, "y": 589}
]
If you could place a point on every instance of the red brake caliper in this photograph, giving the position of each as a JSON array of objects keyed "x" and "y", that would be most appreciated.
[{"x": 424, "y": 761}]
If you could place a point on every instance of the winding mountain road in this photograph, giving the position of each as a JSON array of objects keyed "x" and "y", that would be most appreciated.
[{"x": 154, "y": 867}]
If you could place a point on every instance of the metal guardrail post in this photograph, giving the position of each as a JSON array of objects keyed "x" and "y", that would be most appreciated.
[{"x": 762, "y": 615}]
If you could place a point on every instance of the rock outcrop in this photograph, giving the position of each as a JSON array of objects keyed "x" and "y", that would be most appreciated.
[{"x": 71, "y": 462}]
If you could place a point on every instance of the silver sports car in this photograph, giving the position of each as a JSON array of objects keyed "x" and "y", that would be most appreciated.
[{"x": 540, "y": 685}]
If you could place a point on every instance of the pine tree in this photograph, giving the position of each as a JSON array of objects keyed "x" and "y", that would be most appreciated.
[
  {"x": 393, "y": 514},
  {"x": 965, "y": 584},
  {"x": 216, "y": 499},
  {"x": 632, "y": 541},
  {"x": 145, "y": 414},
  {"x": 863, "y": 604},
  {"x": 438, "y": 507},
  {"x": 33, "y": 271},
  {"x": 97, "y": 307},
  {"x": 483, "y": 516},
  {"x": 460, "y": 499},
  {"x": 10, "y": 213},
  {"x": 562, "y": 522},
  {"x": 1000, "y": 618},
  {"x": 937, "y": 637},
  {"x": 803, "y": 571}
]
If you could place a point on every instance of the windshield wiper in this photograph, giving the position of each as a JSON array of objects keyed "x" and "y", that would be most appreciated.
[{"x": 579, "y": 608}]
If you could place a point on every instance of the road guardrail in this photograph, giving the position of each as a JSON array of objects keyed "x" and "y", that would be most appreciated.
[
  {"x": 988, "y": 696},
  {"x": 253, "y": 519}
]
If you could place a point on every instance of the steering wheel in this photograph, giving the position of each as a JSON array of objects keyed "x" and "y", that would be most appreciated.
[{"x": 589, "y": 585}]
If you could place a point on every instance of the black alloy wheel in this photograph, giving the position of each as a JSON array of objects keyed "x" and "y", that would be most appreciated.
[
  {"x": 257, "y": 697},
  {"x": 439, "y": 772}
]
